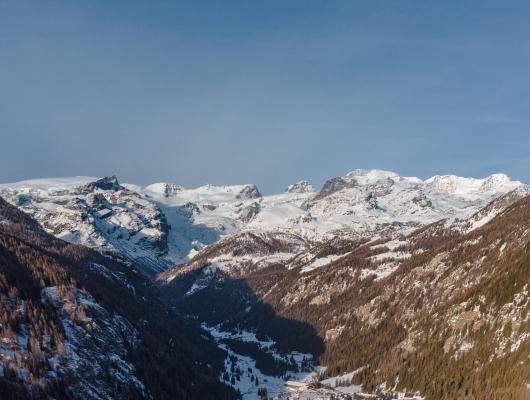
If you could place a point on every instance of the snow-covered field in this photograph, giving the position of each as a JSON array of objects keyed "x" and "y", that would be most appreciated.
[
  {"x": 247, "y": 378},
  {"x": 242, "y": 373}
]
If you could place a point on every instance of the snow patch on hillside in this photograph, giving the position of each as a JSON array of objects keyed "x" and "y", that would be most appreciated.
[{"x": 242, "y": 372}]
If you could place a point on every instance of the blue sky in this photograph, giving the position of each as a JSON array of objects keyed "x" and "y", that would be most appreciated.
[{"x": 268, "y": 92}]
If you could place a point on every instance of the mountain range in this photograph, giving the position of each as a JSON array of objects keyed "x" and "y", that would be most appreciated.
[{"x": 375, "y": 284}]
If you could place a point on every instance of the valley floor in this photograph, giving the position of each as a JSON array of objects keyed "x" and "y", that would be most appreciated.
[{"x": 302, "y": 381}]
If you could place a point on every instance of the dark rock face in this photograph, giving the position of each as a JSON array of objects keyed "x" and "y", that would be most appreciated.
[
  {"x": 171, "y": 189},
  {"x": 249, "y": 212},
  {"x": 299, "y": 187},
  {"x": 190, "y": 209},
  {"x": 334, "y": 185},
  {"x": 23, "y": 200},
  {"x": 422, "y": 201},
  {"x": 330, "y": 186},
  {"x": 99, "y": 201},
  {"x": 249, "y": 192},
  {"x": 107, "y": 183},
  {"x": 382, "y": 187},
  {"x": 371, "y": 200}
]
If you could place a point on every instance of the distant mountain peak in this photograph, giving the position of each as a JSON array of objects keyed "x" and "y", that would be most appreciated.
[
  {"x": 106, "y": 183},
  {"x": 456, "y": 184},
  {"x": 165, "y": 189},
  {"x": 372, "y": 173},
  {"x": 300, "y": 187},
  {"x": 153, "y": 222},
  {"x": 497, "y": 180},
  {"x": 249, "y": 192}
]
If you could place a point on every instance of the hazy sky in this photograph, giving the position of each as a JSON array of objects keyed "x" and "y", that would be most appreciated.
[{"x": 268, "y": 92}]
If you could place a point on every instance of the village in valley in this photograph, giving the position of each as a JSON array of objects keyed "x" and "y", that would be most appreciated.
[{"x": 330, "y": 389}]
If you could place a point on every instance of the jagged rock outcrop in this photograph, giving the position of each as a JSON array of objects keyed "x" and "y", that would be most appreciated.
[
  {"x": 109, "y": 183},
  {"x": 98, "y": 213},
  {"x": 300, "y": 187},
  {"x": 249, "y": 212},
  {"x": 249, "y": 192}
]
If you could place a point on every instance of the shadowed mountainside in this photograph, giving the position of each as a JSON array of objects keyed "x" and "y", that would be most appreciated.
[
  {"x": 451, "y": 321},
  {"x": 77, "y": 324}
]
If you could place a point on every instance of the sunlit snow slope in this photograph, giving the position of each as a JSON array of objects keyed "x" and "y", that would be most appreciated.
[{"x": 165, "y": 224}]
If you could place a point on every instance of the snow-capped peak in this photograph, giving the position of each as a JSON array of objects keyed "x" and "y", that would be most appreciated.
[
  {"x": 249, "y": 192},
  {"x": 365, "y": 177},
  {"x": 106, "y": 183},
  {"x": 164, "y": 189},
  {"x": 497, "y": 181},
  {"x": 167, "y": 221},
  {"x": 300, "y": 187},
  {"x": 464, "y": 186},
  {"x": 371, "y": 174}
]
